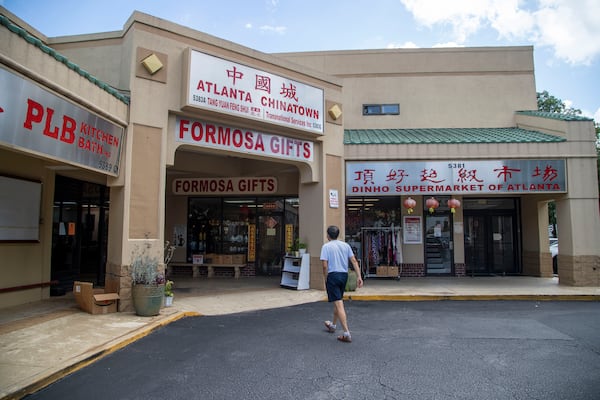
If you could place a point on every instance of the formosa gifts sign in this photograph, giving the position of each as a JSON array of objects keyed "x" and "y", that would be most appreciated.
[
  {"x": 455, "y": 177},
  {"x": 217, "y": 136},
  {"x": 225, "y": 86},
  {"x": 218, "y": 186}
]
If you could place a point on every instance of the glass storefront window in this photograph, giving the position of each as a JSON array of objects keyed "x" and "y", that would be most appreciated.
[
  {"x": 256, "y": 227},
  {"x": 204, "y": 226},
  {"x": 370, "y": 212}
]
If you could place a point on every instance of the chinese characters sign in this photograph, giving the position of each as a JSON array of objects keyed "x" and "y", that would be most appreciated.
[
  {"x": 455, "y": 177},
  {"x": 33, "y": 119},
  {"x": 225, "y": 86}
]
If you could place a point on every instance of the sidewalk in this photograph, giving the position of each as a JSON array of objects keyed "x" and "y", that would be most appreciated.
[{"x": 44, "y": 341}]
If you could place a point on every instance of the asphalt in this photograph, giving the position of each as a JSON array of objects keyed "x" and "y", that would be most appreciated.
[{"x": 44, "y": 341}]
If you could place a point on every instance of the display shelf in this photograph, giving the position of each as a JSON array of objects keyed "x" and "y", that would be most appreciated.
[{"x": 295, "y": 273}]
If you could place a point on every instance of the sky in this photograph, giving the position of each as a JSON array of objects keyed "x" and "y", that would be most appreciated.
[{"x": 565, "y": 34}]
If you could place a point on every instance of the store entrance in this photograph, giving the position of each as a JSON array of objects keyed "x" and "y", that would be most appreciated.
[
  {"x": 438, "y": 244},
  {"x": 490, "y": 244},
  {"x": 270, "y": 243},
  {"x": 79, "y": 233}
]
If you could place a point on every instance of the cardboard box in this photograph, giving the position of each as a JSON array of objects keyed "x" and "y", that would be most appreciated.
[
  {"x": 94, "y": 301},
  {"x": 382, "y": 270},
  {"x": 392, "y": 271},
  {"x": 239, "y": 259},
  {"x": 226, "y": 259},
  {"x": 217, "y": 259}
]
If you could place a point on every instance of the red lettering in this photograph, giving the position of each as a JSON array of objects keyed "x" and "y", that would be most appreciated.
[
  {"x": 68, "y": 130},
  {"x": 52, "y": 133},
  {"x": 183, "y": 128},
  {"x": 306, "y": 153},
  {"x": 35, "y": 112},
  {"x": 210, "y": 133}
]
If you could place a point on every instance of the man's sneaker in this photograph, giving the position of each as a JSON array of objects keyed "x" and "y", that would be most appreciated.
[
  {"x": 345, "y": 338},
  {"x": 329, "y": 326}
]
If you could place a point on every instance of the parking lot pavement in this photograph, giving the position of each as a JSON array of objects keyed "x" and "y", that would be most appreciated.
[{"x": 400, "y": 350}]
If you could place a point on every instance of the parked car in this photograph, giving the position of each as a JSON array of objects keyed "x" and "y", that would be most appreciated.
[{"x": 554, "y": 253}]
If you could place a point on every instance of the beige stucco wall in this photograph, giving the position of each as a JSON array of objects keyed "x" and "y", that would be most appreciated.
[
  {"x": 436, "y": 88},
  {"x": 27, "y": 263}
]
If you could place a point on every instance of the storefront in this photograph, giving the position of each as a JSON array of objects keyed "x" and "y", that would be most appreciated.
[
  {"x": 61, "y": 136},
  {"x": 423, "y": 157},
  {"x": 229, "y": 154},
  {"x": 468, "y": 221},
  {"x": 446, "y": 175}
]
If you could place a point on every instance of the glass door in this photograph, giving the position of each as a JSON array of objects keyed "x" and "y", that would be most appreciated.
[
  {"x": 476, "y": 245},
  {"x": 438, "y": 244},
  {"x": 490, "y": 244},
  {"x": 269, "y": 233}
]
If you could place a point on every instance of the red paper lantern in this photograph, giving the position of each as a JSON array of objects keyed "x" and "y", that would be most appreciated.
[
  {"x": 432, "y": 204},
  {"x": 453, "y": 204},
  {"x": 410, "y": 204}
]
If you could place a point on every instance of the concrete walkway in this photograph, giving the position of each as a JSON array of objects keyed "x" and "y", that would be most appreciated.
[{"x": 44, "y": 341}]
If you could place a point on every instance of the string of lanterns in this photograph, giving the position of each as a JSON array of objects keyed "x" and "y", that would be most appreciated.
[{"x": 432, "y": 204}]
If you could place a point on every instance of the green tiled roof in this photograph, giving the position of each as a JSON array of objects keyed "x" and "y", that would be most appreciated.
[
  {"x": 446, "y": 136},
  {"x": 60, "y": 58},
  {"x": 562, "y": 117}
]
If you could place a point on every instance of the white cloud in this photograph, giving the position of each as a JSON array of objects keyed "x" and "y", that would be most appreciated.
[
  {"x": 448, "y": 44},
  {"x": 597, "y": 116},
  {"x": 405, "y": 45},
  {"x": 570, "y": 28},
  {"x": 275, "y": 29},
  {"x": 248, "y": 25}
]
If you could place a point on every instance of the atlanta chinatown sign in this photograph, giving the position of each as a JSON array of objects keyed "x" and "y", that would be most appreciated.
[{"x": 455, "y": 177}]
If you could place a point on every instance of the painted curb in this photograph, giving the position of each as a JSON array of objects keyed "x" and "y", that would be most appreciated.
[
  {"x": 475, "y": 297},
  {"x": 98, "y": 353}
]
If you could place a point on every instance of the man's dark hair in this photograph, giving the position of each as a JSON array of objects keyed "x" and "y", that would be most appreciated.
[{"x": 333, "y": 232}]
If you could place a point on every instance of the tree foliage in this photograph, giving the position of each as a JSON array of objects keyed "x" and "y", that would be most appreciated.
[{"x": 547, "y": 102}]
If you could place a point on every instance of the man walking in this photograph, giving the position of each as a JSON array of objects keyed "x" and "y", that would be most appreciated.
[{"x": 335, "y": 255}]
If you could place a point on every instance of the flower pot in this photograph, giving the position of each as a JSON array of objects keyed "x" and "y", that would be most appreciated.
[
  {"x": 147, "y": 299},
  {"x": 168, "y": 301},
  {"x": 302, "y": 251}
]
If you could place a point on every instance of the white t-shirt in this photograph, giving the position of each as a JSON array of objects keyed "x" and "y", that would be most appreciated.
[{"x": 337, "y": 254}]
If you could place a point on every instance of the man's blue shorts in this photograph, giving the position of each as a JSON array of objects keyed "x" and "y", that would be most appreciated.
[{"x": 336, "y": 284}]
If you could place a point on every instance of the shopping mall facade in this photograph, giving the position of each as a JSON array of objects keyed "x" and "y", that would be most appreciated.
[{"x": 430, "y": 160}]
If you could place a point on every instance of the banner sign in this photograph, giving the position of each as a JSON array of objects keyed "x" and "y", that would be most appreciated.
[
  {"x": 217, "y": 186},
  {"x": 38, "y": 121},
  {"x": 217, "y": 136},
  {"x": 455, "y": 177},
  {"x": 225, "y": 86}
]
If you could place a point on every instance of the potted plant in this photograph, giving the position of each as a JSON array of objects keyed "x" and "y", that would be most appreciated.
[
  {"x": 297, "y": 248},
  {"x": 301, "y": 247},
  {"x": 148, "y": 281},
  {"x": 168, "y": 293}
]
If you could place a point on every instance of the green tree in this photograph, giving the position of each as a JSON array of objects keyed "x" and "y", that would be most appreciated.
[{"x": 547, "y": 102}]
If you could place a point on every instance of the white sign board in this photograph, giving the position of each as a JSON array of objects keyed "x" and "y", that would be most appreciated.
[
  {"x": 247, "y": 141},
  {"x": 394, "y": 178},
  {"x": 226, "y": 86}
]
